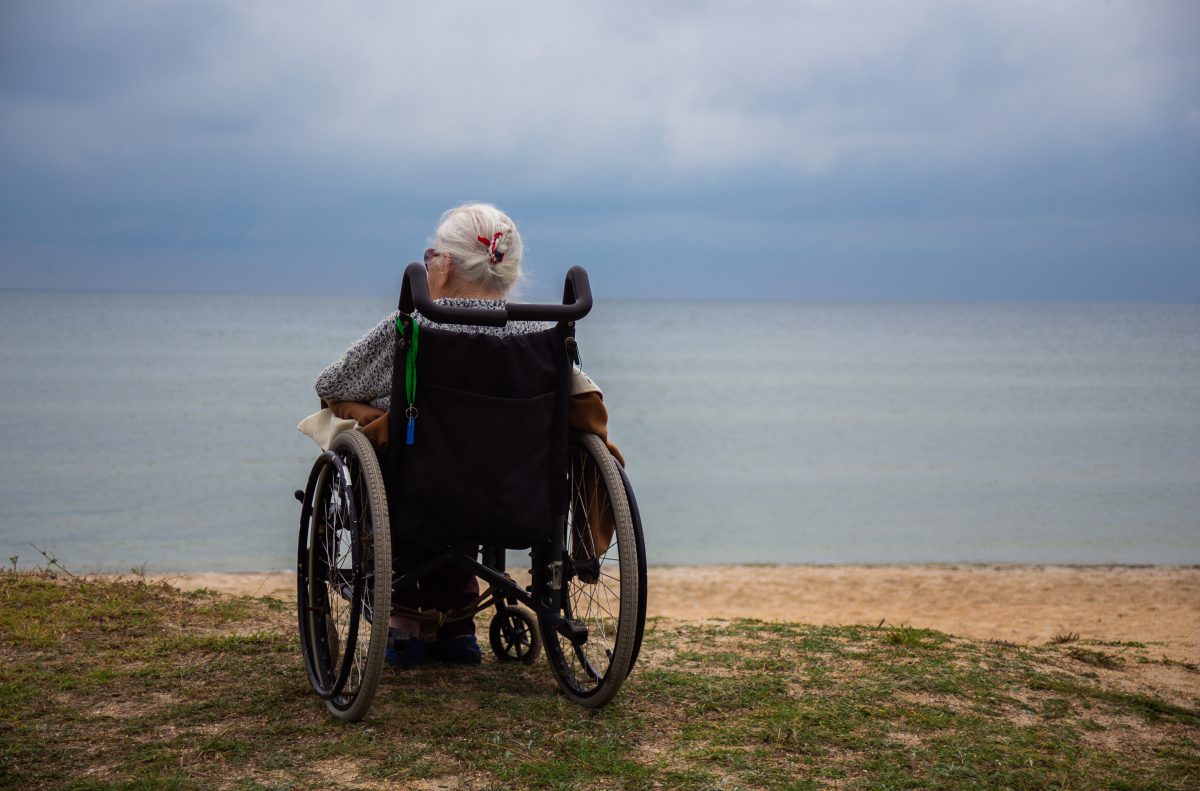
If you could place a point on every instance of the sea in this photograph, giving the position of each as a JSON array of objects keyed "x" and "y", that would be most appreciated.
[{"x": 157, "y": 433}]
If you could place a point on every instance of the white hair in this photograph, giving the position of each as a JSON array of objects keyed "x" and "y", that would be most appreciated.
[{"x": 484, "y": 243}]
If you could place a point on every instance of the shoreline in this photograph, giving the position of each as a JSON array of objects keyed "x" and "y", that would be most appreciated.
[{"x": 1158, "y": 606}]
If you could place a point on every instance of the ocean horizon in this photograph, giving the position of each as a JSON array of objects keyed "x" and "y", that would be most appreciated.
[{"x": 158, "y": 430}]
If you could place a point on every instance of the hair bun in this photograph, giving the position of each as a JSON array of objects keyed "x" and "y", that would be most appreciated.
[{"x": 484, "y": 243}]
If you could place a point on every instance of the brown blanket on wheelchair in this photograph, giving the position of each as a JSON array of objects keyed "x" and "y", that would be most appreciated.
[{"x": 587, "y": 413}]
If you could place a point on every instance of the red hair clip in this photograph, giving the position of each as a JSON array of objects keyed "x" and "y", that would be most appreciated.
[{"x": 494, "y": 256}]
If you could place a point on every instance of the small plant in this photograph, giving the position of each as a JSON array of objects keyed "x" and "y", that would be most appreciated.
[
  {"x": 53, "y": 561},
  {"x": 1192, "y": 666},
  {"x": 1095, "y": 658},
  {"x": 13, "y": 560},
  {"x": 911, "y": 637},
  {"x": 1060, "y": 639}
]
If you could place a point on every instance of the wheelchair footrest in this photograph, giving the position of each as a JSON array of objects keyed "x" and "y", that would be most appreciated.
[{"x": 575, "y": 631}]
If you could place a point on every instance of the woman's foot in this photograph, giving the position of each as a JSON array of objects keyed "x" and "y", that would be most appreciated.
[
  {"x": 404, "y": 650},
  {"x": 462, "y": 650}
]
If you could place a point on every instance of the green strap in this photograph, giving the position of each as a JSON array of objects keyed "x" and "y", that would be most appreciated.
[{"x": 410, "y": 367}]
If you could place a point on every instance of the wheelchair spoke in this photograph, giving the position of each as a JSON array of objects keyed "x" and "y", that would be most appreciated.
[{"x": 606, "y": 576}]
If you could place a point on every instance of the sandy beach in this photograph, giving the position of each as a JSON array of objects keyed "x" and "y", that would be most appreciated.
[{"x": 1156, "y": 605}]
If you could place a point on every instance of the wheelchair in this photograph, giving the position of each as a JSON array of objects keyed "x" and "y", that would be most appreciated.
[{"x": 481, "y": 461}]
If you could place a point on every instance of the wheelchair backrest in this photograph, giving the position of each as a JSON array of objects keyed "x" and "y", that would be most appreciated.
[{"x": 487, "y": 458}]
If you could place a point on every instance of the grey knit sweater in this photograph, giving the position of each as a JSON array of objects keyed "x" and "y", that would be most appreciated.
[{"x": 364, "y": 372}]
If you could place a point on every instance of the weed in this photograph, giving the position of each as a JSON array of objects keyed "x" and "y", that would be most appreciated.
[
  {"x": 52, "y": 561},
  {"x": 1122, "y": 643},
  {"x": 1095, "y": 658},
  {"x": 1166, "y": 660},
  {"x": 908, "y": 637}
]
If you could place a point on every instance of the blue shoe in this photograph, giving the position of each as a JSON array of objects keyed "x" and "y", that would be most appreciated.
[
  {"x": 463, "y": 650},
  {"x": 404, "y": 650}
]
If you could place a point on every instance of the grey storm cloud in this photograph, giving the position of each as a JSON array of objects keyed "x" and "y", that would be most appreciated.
[
  {"x": 682, "y": 115},
  {"x": 586, "y": 87}
]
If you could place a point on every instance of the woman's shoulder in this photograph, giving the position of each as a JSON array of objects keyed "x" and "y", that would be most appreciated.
[
  {"x": 380, "y": 338},
  {"x": 382, "y": 327}
]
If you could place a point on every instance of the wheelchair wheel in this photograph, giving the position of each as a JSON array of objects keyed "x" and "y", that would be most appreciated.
[
  {"x": 514, "y": 635},
  {"x": 344, "y": 578},
  {"x": 603, "y": 582}
]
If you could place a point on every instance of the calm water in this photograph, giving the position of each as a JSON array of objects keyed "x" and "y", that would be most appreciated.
[{"x": 161, "y": 429}]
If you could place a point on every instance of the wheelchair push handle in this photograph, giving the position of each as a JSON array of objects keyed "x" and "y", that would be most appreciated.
[{"x": 577, "y": 303}]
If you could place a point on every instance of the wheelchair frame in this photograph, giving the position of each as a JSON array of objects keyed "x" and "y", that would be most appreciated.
[{"x": 344, "y": 557}]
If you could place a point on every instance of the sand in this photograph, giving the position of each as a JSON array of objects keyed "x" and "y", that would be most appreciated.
[{"x": 1157, "y": 605}]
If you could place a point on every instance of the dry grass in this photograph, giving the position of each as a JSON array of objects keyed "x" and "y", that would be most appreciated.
[{"x": 128, "y": 684}]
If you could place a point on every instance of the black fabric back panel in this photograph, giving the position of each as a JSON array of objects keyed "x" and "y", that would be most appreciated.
[{"x": 489, "y": 442}]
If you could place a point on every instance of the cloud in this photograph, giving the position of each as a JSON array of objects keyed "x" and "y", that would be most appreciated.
[
  {"x": 673, "y": 88},
  {"x": 312, "y": 131}
]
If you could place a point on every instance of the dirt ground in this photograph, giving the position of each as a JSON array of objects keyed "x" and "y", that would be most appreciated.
[{"x": 1157, "y": 605}]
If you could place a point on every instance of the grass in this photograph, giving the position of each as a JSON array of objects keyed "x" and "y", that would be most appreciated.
[{"x": 127, "y": 684}]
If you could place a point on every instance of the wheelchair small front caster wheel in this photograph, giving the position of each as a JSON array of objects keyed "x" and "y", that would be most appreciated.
[{"x": 514, "y": 635}]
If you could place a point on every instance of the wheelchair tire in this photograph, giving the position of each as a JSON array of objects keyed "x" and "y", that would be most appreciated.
[
  {"x": 606, "y": 593},
  {"x": 514, "y": 635},
  {"x": 344, "y": 576}
]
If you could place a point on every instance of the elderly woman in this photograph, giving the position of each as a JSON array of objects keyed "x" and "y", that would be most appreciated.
[{"x": 474, "y": 261}]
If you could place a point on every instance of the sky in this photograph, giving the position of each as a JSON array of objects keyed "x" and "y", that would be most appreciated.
[{"x": 916, "y": 150}]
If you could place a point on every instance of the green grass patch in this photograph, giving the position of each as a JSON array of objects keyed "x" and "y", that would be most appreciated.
[{"x": 125, "y": 684}]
